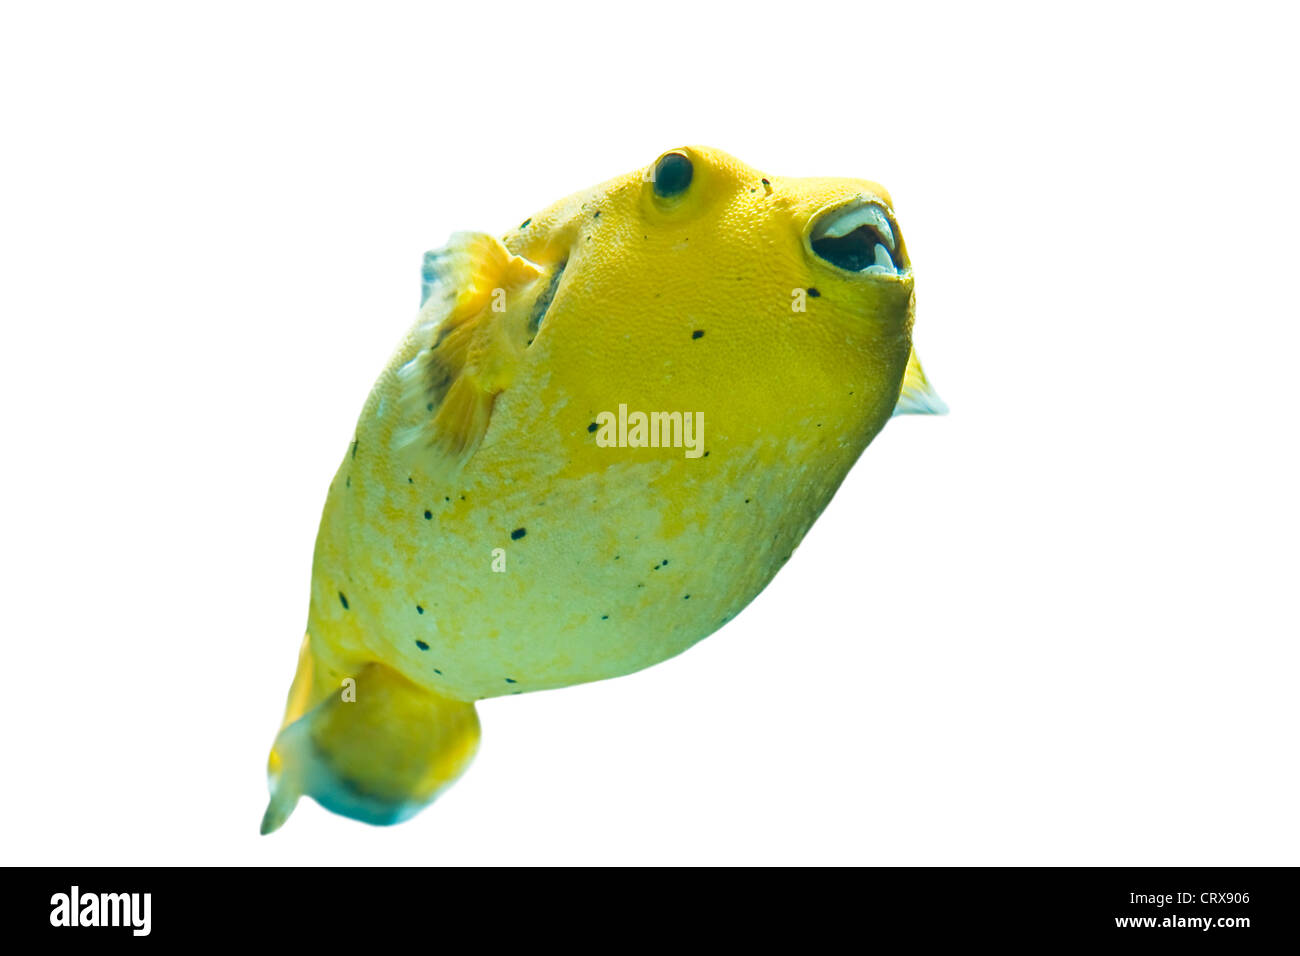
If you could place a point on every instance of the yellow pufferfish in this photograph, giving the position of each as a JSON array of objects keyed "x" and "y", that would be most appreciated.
[{"x": 603, "y": 436}]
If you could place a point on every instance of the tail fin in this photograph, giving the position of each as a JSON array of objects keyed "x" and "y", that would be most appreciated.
[{"x": 378, "y": 750}]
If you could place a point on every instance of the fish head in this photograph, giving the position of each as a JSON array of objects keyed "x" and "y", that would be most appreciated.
[{"x": 772, "y": 304}]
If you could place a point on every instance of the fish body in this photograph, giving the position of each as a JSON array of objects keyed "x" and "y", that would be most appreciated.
[{"x": 605, "y": 433}]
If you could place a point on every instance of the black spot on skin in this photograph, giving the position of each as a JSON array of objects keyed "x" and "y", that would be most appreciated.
[
  {"x": 706, "y": 454},
  {"x": 355, "y": 443},
  {"x": 592, "y": 427},
  {"x": 348, "y": 483},
  {"x": 410, "y": 481},
  {"x": 511, "y": 680},
  {"x": 438, "y": 672},
  {"x": 746, "y": 501},
  {"x": 596, "y": 214},
  {"x": 766, "y": 183},
  {"x": 812, "y": 291},
  {"x": 617, "y": 556},
  {"x": 343, "y": 599},
  {"x": 446, "y": 497},
  {"x": 427, "y": 514},
  {"x": 517, "y": 534},
  {"x": 429, "y": 406},
  {"x": 604, "y": 617},
  {"x": 419, "y": 609},
  {"x": 421, "y": 645},
  {"x": 697, "y": 334},
  {"x": 686, "y": 597},
  {"x": 524, "y": 224}
]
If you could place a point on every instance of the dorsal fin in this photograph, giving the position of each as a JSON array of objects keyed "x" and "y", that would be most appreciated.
[
  {"x": 918, "y": 397},
  {"x": 473, "y": 340}
]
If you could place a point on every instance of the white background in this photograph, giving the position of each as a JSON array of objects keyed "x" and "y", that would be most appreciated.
[{"x": 1058, "y": 626}]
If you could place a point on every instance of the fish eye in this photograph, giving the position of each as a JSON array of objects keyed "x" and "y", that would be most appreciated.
[{"x": 672, "y": 175}]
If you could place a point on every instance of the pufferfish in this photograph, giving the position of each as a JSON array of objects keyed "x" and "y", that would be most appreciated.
[{"x": 604, "y": 434}]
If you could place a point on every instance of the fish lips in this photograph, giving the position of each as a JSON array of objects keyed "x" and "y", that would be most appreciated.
[{"x": 859, "y": 236}]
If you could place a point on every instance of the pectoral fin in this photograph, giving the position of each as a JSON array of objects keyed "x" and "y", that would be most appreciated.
[
  {"x": 918, "y": 397},
  {"x": 474, "y": 323}
]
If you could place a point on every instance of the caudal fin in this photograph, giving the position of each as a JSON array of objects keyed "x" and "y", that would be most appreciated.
[{"x": 378, "y": 750}]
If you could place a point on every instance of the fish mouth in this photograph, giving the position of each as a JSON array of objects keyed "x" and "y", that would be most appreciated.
[{"x": 859, "y": 236}]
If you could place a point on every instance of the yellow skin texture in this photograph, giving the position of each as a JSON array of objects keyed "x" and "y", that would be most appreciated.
[{"x": 789, "y": 399}]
